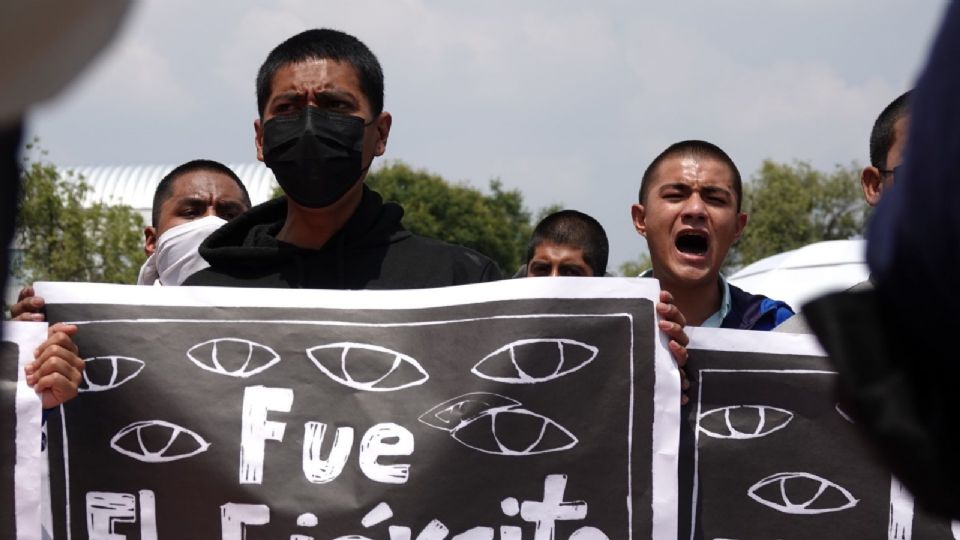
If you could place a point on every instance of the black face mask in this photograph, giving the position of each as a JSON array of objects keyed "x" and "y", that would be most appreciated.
[{"x": 316, "y": 155}]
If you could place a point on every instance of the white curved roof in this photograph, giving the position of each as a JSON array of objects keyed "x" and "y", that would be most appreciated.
[{"x": 134, "y": 185}]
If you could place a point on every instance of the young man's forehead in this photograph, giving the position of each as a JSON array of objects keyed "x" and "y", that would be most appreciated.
[
  {"x": 686, "y": 168},
  {"x": 293, "y": 77},
  {"x": 205, "y": 182},
  {"x": 551, "y": 249}
]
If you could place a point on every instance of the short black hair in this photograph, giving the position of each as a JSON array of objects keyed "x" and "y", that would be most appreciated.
[
  {"x": 165, "y": 187},
  {"x": 318, "y": 44},
  {"x": 573, "y": 228},
  {"x": 882, "y": 135},
  {"x": 698, "y": 149}
]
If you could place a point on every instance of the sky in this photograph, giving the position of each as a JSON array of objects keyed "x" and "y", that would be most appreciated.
[{"x": 566, "y": 101}]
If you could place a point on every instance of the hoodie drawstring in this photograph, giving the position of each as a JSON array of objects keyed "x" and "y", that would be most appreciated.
[{"x": 341, "y": 278}]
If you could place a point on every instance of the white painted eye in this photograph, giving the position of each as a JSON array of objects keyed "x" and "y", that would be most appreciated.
[
  {"x": 496, "y": 424},
  {"x": 453, "y": 412},
  {"x": 529, "y": 361},
  {"x": 367, "y": 367},
  {"x": 234, "y": 357},
  {"x": 514, "y": 432},
  {"x": 801, "y": 493},
  {"x": 157, "y": 441},
  {"x": 102, "y": 373},
  {"x": 743, "y": 421}
]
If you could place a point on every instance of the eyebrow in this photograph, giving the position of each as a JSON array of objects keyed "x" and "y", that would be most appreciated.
[
  {"x": 674, "y": 185},
  {"x": 327, "y": 94},
  {"x": 230, "y": 203},
  {"x": 717, "y": 189},
  {"x": 286, "y": 95},
  {"x": 334, "y": 93},
  {"x": 682, "y": 186},
  {"x": 189, "y": 199},
  {"x": 196, "y": 199}
]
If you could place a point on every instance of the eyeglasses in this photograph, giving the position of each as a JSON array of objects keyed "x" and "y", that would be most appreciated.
[{"x": 894, "y": 171}]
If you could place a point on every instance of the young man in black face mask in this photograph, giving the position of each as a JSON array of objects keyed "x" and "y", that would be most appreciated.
[{"x": 320, "y": 96}]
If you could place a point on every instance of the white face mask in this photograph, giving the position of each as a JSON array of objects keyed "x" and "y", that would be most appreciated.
[{"x": 176, "y": 256}]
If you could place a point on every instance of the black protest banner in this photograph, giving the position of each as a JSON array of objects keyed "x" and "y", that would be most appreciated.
[
  {"x": 768, "y": 451},
  {"x": 20, "y": 436},
  {"x": 508, "y": 410},
  {"x": 9, "y": 366}
]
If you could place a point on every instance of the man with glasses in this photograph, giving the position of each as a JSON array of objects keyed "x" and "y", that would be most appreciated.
[{"x": 887, "y": 142}]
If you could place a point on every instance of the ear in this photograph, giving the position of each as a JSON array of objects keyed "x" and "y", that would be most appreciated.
[
  {"x": 258, "y": 138},
  {"x": 872, "y": 183},
  {"x": 384, "y": 121},
  {"x": 741, "y": 224},
  {"x": 149, "y": 240},
  {"x": 639, "y": 215}
]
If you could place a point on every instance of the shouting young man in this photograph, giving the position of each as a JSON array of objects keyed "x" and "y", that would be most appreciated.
[{"x": 689, "y": 212}]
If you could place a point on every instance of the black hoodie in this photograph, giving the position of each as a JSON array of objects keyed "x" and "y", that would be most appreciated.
[{"x": 371, "y": 251}]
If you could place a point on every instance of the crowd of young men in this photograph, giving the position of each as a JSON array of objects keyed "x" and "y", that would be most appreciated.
[{"x": 321, "y": 122}]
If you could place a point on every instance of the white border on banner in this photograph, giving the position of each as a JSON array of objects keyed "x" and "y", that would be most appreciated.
[
  {"x": 511, "y": 289},
  {"x": 27, "y": 478},
  {"x": 724, "y": 339},
  {"x": 666, "y": 426}
]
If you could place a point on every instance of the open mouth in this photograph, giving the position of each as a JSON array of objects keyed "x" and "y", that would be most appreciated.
[{"x": 692, "y": 242}]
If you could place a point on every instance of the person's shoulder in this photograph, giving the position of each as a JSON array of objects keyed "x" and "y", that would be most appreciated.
[
  {"x": 439, "y": 253},
  {"x": 203, "y": 277},
  {"x": 434, "y": 246},
  {"x": 755, "y": 311},
  {"x": 210, "y": 277}
]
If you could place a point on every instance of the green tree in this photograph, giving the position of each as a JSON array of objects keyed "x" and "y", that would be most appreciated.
[
  {"x": 60, "y": 238},
  {"x": 792, "y": 205},
  {"x": 495, "y": 224},
  {"x": 636, "y": 267}
]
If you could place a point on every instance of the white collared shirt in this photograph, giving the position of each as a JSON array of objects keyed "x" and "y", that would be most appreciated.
[{"x": 715, "y": 320}]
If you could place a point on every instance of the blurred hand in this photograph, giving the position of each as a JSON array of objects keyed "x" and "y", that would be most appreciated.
[{"x": 28, "y": 306}]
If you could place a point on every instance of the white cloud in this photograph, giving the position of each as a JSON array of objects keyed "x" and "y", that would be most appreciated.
[{"x": 133, "y": 73}]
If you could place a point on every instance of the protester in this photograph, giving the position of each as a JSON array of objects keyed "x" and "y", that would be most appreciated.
[
  {"x": 892, "y": 345},
  {"x": 321, "y": 123},
  {"x": 888, "y": 138},
  {"x": 567, "y": 243},
  {"x": 689, "y": 213},
  {"x": 189, "y": 202}
]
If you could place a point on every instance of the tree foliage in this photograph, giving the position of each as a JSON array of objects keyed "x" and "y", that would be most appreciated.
[
  {"x": 792, "y": 205},
  {"x": 633, "y": 268},
  {"x": 60, "y": 238},
  {"x": 495, "y": 224}
]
